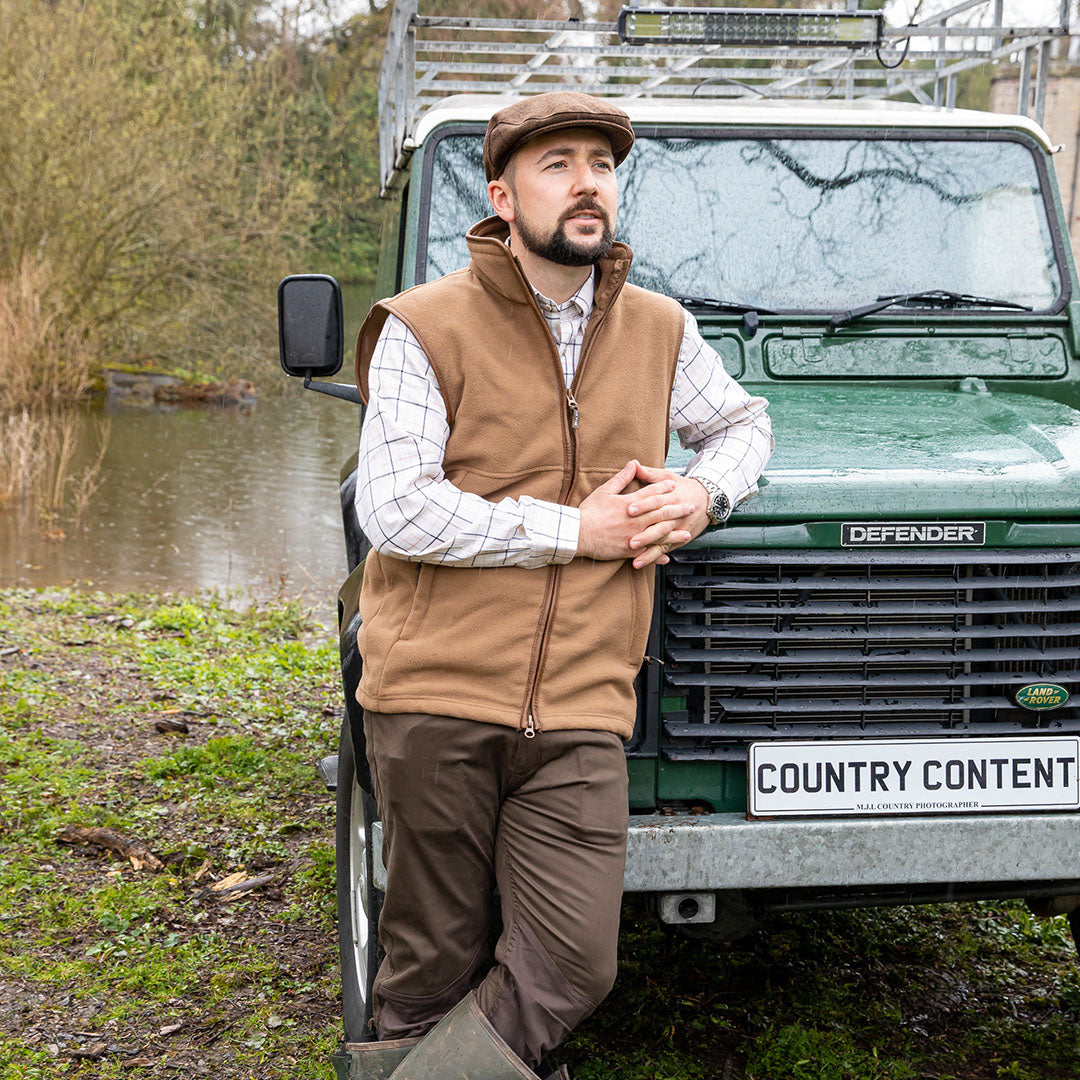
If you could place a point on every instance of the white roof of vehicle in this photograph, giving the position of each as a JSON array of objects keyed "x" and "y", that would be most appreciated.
[{"x": 860, "y": 113}]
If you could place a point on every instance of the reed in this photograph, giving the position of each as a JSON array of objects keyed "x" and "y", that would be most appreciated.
[
  {"x": 45, "y": 367},
  {"x": 44, "y": 358}
]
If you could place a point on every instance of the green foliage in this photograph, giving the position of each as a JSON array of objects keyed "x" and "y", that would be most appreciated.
[
  {"x": 802, "y": 1052},
  {"x": 144, "y": 178},
  {"x": 161, "y": 169},
  {"x": 973, "y": 87},
  {"x": 180, "y": 617},
  {"x": 317, "y": 882},
  {"x": 881, "y": 994},
  {"x": 343, "y": 121},
  {"x": 44, "y": 779},
  {"x": 225, "y": 760}
]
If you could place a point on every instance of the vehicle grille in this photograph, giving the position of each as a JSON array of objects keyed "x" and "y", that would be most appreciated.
[{"x": 788, "y": 644}]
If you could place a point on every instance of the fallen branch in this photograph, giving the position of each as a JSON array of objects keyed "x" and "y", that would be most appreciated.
[
  {"x": 94, "y": 1052},
  {"x": 171, "y": 727},
  {"x": 139, "y": 856},
  {"x": 235, "y": 885}
]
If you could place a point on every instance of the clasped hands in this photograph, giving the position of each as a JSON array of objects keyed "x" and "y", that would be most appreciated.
[{"x": 645, "y": 524}]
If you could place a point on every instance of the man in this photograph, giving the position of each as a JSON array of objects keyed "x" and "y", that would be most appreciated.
[{"x": 512, "y": 484}]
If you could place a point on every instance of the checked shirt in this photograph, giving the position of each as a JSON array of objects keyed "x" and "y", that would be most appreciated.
[{"x": 409, "y": 510}]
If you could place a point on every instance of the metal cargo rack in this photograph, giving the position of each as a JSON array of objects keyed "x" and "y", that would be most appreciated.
[{"x": 428, "y": 57}]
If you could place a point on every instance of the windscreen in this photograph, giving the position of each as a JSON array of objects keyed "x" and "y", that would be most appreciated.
[{"x": 813, "y": 223}]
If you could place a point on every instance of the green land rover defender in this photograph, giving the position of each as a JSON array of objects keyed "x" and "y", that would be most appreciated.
[{"x": 857, "y": 691}]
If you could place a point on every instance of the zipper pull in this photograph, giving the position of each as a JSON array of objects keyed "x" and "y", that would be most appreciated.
[
  {"x": 530, "y": 728},
  {"x": 575, "y": 413}
]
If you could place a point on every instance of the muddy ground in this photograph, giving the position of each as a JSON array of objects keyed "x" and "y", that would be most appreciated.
[{"x": 191, "y": 731}]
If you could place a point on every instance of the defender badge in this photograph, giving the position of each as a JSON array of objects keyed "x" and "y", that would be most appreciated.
[
  {"x": 913, "y": 533},
  {"x": 1038, "y": 696}
]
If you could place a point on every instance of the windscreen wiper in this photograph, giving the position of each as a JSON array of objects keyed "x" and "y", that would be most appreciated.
[
  {"x": 749, "y": 312},
  {"x": 930, "y": 298}
]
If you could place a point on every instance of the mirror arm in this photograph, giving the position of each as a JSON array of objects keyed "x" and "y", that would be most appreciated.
[{"x": 334, "y": 389}]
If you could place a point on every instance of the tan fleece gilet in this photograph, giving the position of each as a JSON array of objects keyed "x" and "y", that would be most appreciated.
[{"x": 561, "y": 644}]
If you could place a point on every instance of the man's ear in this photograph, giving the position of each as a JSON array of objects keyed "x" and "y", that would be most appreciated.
[{"x": 502, "y": 201}]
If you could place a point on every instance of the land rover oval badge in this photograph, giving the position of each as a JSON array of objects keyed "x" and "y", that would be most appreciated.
[{"x": 1037, "y": 696}]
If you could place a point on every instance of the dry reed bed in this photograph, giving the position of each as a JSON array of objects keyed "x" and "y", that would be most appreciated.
[{"x": 45, "y": 367}]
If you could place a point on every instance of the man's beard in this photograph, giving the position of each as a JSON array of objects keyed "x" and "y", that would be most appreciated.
[{"x": 558, "y": 247}]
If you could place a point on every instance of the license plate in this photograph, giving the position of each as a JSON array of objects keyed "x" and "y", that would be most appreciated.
[{"x": 914, "y": 776}]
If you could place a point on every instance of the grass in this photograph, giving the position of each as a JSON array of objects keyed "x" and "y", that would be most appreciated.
[
  {"x": 952, "y": 992},
  {"x": 106, "y": 971},
  {"x": 98, "y": 959}
]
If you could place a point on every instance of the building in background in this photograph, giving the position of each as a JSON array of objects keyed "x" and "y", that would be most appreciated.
[{"x": 1062, "y": 124}]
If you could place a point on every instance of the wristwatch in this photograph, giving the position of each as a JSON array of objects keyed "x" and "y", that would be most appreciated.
[{"x": 719, "y": 508}]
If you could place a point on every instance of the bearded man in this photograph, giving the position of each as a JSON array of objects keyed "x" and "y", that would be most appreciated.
[{"x": 512, "y": 485}]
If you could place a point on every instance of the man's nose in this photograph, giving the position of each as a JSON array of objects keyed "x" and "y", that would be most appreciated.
[{"x": 584, "y": 179}]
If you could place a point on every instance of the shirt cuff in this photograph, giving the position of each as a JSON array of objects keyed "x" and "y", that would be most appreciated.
[{"x": 552, "y": 530}]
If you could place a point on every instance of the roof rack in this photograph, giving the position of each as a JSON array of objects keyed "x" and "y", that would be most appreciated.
[{"x": 428, "y": 57}]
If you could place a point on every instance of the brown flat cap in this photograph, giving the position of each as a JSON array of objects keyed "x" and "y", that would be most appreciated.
[{"x": 537, "y": 115}]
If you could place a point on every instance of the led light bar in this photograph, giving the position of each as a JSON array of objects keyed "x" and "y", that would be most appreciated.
[{"x": 749, "y": 26}]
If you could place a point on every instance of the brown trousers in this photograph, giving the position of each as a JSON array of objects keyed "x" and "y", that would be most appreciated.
[{"x": 468, "y": 807}]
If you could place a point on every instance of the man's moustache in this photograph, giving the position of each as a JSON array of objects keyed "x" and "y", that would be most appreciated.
[{"x": 598, "y": 210}]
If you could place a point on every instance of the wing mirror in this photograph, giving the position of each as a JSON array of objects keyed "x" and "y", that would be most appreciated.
[{"x": 311, "y": 331}]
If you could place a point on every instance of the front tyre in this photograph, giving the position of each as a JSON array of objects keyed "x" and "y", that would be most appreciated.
[{"x": 358, "y": 900}]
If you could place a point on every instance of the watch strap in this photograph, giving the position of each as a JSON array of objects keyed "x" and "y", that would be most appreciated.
[{"x": 719, "y": 505}]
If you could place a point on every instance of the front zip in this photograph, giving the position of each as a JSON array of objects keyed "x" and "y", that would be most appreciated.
[
  {"x": 551, "y": 592},
  {"x": 573, "y": 420},
  {"x": 575, "y": 412},
  {"x": 530, "y": 727}
]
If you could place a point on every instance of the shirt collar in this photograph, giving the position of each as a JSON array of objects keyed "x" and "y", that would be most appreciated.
[{"x": 582, "y": 299}]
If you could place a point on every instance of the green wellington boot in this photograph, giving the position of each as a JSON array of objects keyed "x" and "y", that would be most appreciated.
[
  {"x": 463, "y": 1046},
  {"x": 371, "y": 1060}
]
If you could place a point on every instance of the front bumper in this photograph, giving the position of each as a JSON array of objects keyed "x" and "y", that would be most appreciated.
[{"x": 698, "y": 852}]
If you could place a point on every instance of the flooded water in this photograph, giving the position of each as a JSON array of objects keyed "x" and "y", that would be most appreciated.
[
  {"x": 204, "y": 498},
  {"x": 244, "y": 500}
]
